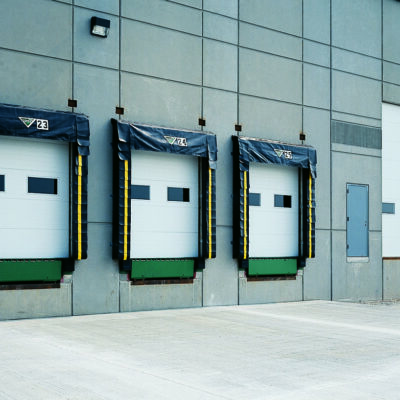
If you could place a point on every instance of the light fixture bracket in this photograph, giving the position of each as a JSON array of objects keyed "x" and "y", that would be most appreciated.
[{"x": 99, "y": 27}]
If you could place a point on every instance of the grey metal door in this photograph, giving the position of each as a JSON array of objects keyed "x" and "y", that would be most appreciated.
[{"x": 357, "y": 220}]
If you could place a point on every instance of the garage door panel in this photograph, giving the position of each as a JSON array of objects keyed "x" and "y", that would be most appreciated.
[
  {"x": 143, "y": 217},
  {"x": 33, "y": 154},
  {"x": 172, "y": 166},
  {"x": 34, "y": 243},
  {"x": 273, "y": 230},
  {"x": 161, "y": 228},
  {"x": 270, "y": 246},
  {"x": 162, "y": 245},
  {"x": 34, "y": 225}
]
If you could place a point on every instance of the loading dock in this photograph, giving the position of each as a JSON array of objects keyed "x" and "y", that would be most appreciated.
[
  {"x": 161, "y": 228},
  {"x": 274, "y": 205},
  {"x": 43, "y": 193}
]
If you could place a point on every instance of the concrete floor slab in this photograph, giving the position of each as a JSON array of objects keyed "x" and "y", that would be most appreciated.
[{"x": 308, "y": 350}]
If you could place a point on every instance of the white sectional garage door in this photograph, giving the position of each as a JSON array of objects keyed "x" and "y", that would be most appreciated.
[
  {"x": 164, "y": 205},
  {"x": 273, "y": 211},
  {"x": 390, "y": 180},
  {"x": 34, "y": 200}
]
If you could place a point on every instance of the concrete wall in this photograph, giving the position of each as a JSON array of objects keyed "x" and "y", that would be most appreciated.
[{"x": 276, "y": 67}]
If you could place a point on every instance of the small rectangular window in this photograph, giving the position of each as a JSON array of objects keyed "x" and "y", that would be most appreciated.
[
  {"x": 140, "y": 192},
  {"x": 178, "y": 194},
  {"x": 388, "y": 208},
  {"x": 254, "y": 199},
  {"x": 42, "y": 185},
  {"x": 281, "y": 200},
  {"x": 2, "y": 185}
]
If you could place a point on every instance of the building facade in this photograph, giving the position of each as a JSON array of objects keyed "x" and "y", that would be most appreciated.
[{"x": 313, "y": 85}]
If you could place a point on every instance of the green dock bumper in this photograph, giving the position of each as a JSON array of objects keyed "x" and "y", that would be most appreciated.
[
  {"x": 272, "y": 266},
  {"x": 162, "y": 269},
  {"x": 30, "y": 271}
]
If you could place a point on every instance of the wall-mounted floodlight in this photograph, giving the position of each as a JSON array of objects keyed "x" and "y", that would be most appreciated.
[{"x": 99, "y": 27}]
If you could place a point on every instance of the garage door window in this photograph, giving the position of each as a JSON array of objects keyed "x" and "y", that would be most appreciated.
[
  {"x": 140, "y": 192},
  {"x": 281, "y": 200},
  {"x": 179, "y": 194},
  {"x": 42, "y": 185}
]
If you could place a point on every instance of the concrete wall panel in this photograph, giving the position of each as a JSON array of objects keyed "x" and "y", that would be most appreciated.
[
  {"x": 92, "y": 49},
  {"x": 270, "y": 119},
  {"x": 356, "y": 95},
  {"x": 160, "y": 102},
  {"x": 98, "y": 102},
  {"x": 316, "y": 53},
  {"x": 356, "y": 26},
  {"x": 391, "y": 279},
  {"x": 160, "y": 297},
  {"x": 273, "y": 291},
  {"x": 225, "y": 7},
  {"x": 317, "y": 20},
  {"x": 317, "y": 273},
  {"x": 220, "y": 277},
  {"x": 317, "y": 85},
  {"x": 163, "y": 13},
  {"x": 220, "y": 65},
  {"x": 36, "y": 303},
  {"x": 391, "y": 31},
  {"x": 255, "y": 37},
  {"x": 355, "y": 119},
  {"x": 391, "y": 72},
  {"x": 160, "y": 52},
  {"x": 36, "y": 81},
  {"x": 31, "y": 28},
  {"x": 269, "y": 76},
  {"x": 107, "y": 6},
  {"x": 96, "y": 280},
  {"x": 220, "y": 111},
  {"x": 355, "y": 281},
  {"x": 317, "y": 129},
  {"x": 391, "y": 93},
  {"x": 282, "y": 15},
  {"x": 352, "y": 168},
  {"x": 356, "y": 63},
  {"x": 189, "y": 3},
  {"x": 220, "y": 28}
]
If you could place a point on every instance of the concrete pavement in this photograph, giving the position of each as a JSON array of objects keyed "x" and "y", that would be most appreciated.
[{"x": 309, "y": 350}]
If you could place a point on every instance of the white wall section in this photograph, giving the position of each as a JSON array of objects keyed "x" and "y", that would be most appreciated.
[{"x": 391, "y": 178}]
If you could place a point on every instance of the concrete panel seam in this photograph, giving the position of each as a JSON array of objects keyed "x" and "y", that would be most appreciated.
[
  {"x": 35, "y": 54},
  {"x": 94, "y": 10},
  {"x": 356, "y": 52},
  {"x": 355, "y": 115},
  {"x": 269, "y": 53},
  {"x": 269, "y": 98},
  {"x": 353, "y": 153},
  {"x": 122, "y": 18},
  {"x": 359, "y": 75}
]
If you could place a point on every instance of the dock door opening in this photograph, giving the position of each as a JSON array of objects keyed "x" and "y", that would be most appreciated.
[
  {"x": 164, "y": 200},
  {"x": 43, "y": 193},
  {"x": 274, "y": 205}
]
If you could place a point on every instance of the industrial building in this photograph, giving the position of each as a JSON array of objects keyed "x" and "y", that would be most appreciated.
[{"x": 163, "y": 154}]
